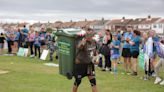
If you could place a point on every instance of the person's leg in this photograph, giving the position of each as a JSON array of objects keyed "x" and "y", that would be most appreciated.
[
  {"x": 39, "y": 51},
  {"x": 135, "y": 65},
  {"x": 76, "y": 84},
  {"x": 92, "y": 80},
  {"x": 16, "y": 46},
  {"x": 149, "y": 68},
  {"x": 35, "y": 47},
  {"x": 146, "y": 77},
  {"x": 100, "y": 62},
  {"x": 31, "y": 47},
  {"x": 157, "y": 67},
  {"x": 9, "y": 46},
  {"x": 114, "y": 66},
  {"x": 106, "y": 63},
  {"x": 162, "y": 60},
  {"x": 110, "y": 63},
  {"x": 125, "y": 64},
  {"x": 11, "y": 43},
  {"x": 74, "y": 89},
  {"x": 51, "y": 55},
  {"x": 129, "y": 64},
  {"x": 153, "y": 66},
  {"x": 0, "y": 49}
]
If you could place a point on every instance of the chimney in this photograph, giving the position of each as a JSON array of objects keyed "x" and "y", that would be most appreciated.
[
  {"x": 123, "y": 18},
  {"x": 86, "y": 20},
  {"x": 149, "y": 17},
  {"x": 102, "y": 19}
]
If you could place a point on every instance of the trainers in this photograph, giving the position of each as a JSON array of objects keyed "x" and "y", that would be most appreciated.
[
  {"x": 134, "y": 74},
  {"x": 107, "y": 69},
  {"x": 162, "y": 83},
  {"x": 32, "y": 56},
  {"x": 153, "y": 74},
  {"x": 128, "y": 73},
  {"x": 157, "y": 80},
  {"x": 145, "y": 78}
]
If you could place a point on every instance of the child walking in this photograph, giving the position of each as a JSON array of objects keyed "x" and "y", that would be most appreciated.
[
  {"x": 51, "y": 45},
  {"x": 115, "y": 54},
  {"x": 37, "y": 44}
]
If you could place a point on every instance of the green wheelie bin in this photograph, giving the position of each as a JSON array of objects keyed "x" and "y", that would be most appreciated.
[{"x": 67, "y": 40}]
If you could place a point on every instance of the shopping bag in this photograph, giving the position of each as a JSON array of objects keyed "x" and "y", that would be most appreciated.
[
  {"x": 141, "y": 60},
  {"x": 44, "y": 55},
  {"x": 20, "y": 52}
]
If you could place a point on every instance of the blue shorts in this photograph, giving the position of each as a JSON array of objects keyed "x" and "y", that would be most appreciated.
[{"x": 115, "y": 56}]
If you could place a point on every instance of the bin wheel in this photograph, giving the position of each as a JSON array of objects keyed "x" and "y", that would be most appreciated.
[{"x": 69, "y": 76}]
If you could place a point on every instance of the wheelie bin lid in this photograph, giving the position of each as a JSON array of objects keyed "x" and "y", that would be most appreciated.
[{"x": 70, "y": 32}]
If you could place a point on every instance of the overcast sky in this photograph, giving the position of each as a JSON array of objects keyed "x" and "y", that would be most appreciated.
[{"x": 65, "y": 10}]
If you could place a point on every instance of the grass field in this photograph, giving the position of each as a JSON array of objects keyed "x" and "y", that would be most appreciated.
[{"x": 31, "y": 75}]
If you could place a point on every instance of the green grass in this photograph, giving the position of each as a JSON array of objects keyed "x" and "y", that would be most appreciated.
[{"x": 31, "y": 75}]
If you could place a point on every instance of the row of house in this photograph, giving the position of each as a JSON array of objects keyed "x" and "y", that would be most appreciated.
[{"x": 142, "y": 24}]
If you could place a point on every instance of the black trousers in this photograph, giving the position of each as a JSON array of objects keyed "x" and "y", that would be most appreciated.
[
  {"x": 9, "y": 43},
  {"x": 37, "y": 48},
  {"x": 149, "y": 71},
  {"x": 107, "y": 61},
  {"x": 31, "y": 47}
]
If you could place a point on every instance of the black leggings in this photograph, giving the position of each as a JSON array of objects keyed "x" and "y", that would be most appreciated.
[
  {"x": 37, "y": 48},
  {"x": 9, "y": 43},
  {"x": 31, "y": 48},
  {"x": 149, "y": 71},
  {"x": 107, "y": 61}
]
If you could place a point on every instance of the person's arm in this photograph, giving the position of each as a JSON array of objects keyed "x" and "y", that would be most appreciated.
[
  {"x": 116, "y": 46},
  {"x": 131, "y": 42},
  {"x": 81, "y": 44}
]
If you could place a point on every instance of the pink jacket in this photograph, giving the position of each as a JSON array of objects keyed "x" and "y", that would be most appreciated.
[{"x": 31, "y": 37}]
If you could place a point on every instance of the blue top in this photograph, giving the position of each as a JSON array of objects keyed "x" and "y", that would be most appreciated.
[
  {"x": 127, "y": 35},
  {"x": 119, "y": 36},
  {"x": 155, "y": 39},
  {"x": 136, "y": 41},
  {"x": 25, "y": 30},
  {"x": 17, "y": 34},
  {"x": 37, "y": 41},
  {"x": 115, "y": 50},
  {"x": 48, "y": 38},
  {"x": 8, "y": 38},
  {"x": 42, "y": 35}
]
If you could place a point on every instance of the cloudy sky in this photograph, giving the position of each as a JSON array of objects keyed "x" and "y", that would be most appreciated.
[{"x": 66, "y": 10}]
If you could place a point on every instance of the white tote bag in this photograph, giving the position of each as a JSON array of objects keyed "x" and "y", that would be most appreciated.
[{"x": 44, "y": 55}]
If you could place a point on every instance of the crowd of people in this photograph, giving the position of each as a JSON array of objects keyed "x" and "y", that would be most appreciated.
[
  {"x": 105, "y": 53},
  {"x": 37, "y": 41},
  {"x": 109, "y": 49},
  {"x": 129, "y": 45}
]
